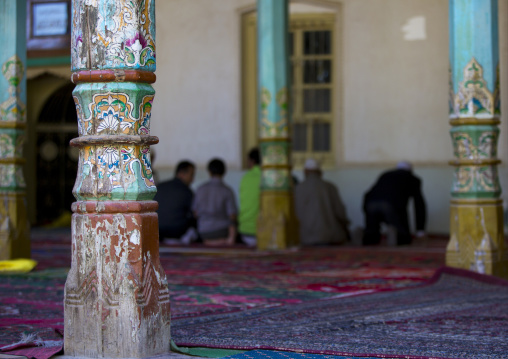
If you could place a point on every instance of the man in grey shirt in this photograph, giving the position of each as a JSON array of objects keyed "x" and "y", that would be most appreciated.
[{"x": 215, "y": 208}]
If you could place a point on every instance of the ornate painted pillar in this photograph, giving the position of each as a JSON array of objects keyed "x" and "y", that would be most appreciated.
[
  {"x": 14, "y": 228},
  {"x": 116, "y": 295},
  {"x": 277, "y": 225},
  {"x": 476, "y": 211}
]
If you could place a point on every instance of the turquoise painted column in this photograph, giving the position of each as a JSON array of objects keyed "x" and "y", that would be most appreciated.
[
  {"x": 277, "y": 225},
  {"x": 116, "y": 295},
  {"x": 476, "y": 212},
  {"x": 14, "y": 229}
]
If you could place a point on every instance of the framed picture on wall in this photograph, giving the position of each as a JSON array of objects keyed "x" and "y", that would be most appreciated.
[{"x": 48, "y": 28}]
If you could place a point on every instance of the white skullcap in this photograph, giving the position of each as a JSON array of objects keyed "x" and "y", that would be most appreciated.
[
  {"x": 311, "y": 164},
  {"x": 405, "y": 165}
]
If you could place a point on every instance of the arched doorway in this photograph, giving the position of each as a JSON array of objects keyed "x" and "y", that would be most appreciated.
[{"x": 56, "y": 163}]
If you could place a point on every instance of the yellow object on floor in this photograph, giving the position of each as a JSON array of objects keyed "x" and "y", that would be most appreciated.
[
  {"x": 63, "y": 220},
  {"x": 17, "y": 265}
]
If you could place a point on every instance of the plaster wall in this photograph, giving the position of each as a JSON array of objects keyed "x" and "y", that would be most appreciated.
[
  {"x": 395, "y": 85},
  {"x": 392, "y": 103},
  {"x": 196, "y": 111}
]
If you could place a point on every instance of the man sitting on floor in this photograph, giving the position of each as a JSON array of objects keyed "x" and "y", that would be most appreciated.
[
  {"x": 319, "y": 209},
  {"x": 176, "y": 220},
  {"x": 249, "y": 199},
  {"x": 215, "y": 208}
]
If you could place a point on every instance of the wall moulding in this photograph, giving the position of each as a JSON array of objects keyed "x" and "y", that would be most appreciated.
[{"x": 325, "y": 4}]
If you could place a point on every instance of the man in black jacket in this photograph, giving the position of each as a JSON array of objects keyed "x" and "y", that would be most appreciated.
[
  {"x": 386, "y": 202},
  {"x": 175, "y": 202}
]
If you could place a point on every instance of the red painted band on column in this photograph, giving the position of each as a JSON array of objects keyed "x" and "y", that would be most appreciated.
[
  {"x": 87, "y": 207},
  {"x": 113, "y": 76},
  {"x": 114, "y": 140}
]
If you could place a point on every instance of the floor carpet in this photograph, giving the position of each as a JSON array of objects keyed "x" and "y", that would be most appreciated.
[
  {"x": 270, "y": 354},
  {"x": 204, "y": 284},
  {"x": 215, "y": 281},
  {"x": 207, "y": 281},
  {"x": 459, "y": 315}
]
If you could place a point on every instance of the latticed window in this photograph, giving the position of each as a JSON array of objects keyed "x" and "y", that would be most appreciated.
[
  {"x": 311, "y": 50},
  {"x": 312, "y": 77}
]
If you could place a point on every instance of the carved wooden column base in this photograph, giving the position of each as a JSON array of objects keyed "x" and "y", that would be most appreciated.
[
  {"x": 14, "y": 227},
  {"x": 277, "y": 223},
  {"x": 477, "y": 237},
  {"x": 116, "y": 294}
]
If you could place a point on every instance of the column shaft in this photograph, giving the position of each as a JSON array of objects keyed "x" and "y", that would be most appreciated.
[
  {"x": 476, "y": 212},
  {"x": 277, "y": 225},
  {"x": 116, "y": 294},
  {"x": 14, "y": 228}
]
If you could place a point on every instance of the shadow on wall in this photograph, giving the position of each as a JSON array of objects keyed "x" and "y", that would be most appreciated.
[{"x": 51, "y": 163}]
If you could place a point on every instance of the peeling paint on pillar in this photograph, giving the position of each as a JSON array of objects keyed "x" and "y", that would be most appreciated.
[
  {"x": 116, "y": 294},
  {"x": 116, "y": 286},
  {"x": 277, "y": 224},
  {"x": 476, "y": 209}
]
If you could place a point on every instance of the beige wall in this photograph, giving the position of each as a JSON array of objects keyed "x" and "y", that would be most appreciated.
[
  {"x": 395, "y": 91},
  {"x": 197, "y": 104},
  {"x": 393, "y": 100}
]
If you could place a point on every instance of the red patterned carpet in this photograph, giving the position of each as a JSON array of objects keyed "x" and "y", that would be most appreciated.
[
  {"x": 207, "y": 281},
  {"x": 459, "y": 314}
]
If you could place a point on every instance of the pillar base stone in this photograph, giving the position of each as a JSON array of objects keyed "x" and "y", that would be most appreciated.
[
  {"x": 277, "y": 223},
  {"x": 14, "y": 227},
  {"x": 477, "y": 237},
  {"x": 116, "y": 294}
]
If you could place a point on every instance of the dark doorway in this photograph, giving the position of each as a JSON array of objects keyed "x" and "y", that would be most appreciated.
[{"x": 57, "y": 162}]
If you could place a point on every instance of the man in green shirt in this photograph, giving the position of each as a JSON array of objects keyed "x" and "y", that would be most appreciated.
[{"x": 249, "y": 199}]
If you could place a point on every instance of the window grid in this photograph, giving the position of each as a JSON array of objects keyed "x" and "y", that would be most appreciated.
[{"x": 312, "y": 75}]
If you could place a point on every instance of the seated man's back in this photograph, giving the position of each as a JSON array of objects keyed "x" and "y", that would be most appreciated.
[
  {"x": 320, "y": 210},
  {"x": 249, "y": 199},
  {"x": 215, "y": 208},
  {"x": 175, "y": 202}
]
